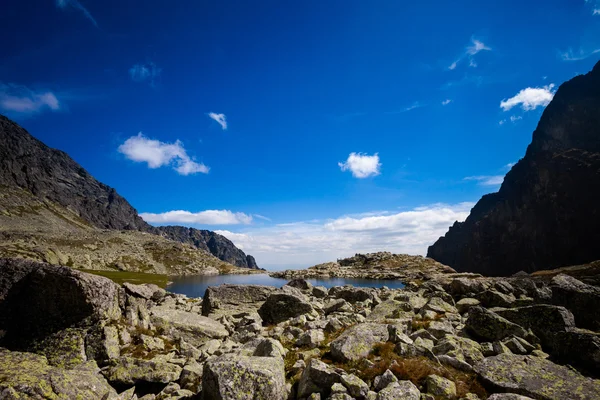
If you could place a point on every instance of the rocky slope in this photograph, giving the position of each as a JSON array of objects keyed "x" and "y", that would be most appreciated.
[
  {"x": 66, "y": 334},
  {"x": 217, "y": 245},
  {"x": 382, "y": 265},
  {"x": 545, "y": 214},
  {"x": 45, "y": 231},
  {"x": 51, "y": 175}
]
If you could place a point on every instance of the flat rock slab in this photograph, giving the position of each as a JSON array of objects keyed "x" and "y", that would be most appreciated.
[
  {"x": 29, "y": 376},
  {"x": 244, "y": 378},
  {"x": 234, "y": 299},
  {"x": 193, "y": 328},
  {"x": 537, "y": 378}
]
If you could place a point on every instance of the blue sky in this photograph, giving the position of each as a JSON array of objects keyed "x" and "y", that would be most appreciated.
[{"x": 303, "y": 131}]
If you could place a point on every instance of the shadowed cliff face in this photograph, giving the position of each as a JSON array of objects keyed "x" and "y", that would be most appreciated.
[
  {"x": 27, "y": 163},
  {"x": 546, "y": 213}
]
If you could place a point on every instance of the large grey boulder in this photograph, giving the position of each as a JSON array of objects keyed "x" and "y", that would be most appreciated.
[
  {"x": 29, "y": 376},
  {"x": 39, "y": 299},
  {"x": 317, "y": 378},
  {"x": 283, "y": 305},
  {"x": 191, "y": 327},
  {"x": 244, "y": 378},
  {"x": 536, "y": 377},
  {"x": 358, "y": 341},
  {"x": 543, "y": 319},
  {"x": 234, "y": 299},
  {"x": 580, "y": 298},
  {"x": 130, "y": 371},
  {"x": 488, "y": 325}
]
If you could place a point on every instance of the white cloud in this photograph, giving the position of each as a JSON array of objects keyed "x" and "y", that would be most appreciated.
[
  {"x": 21, "y": 100},
  {"x": 515, "y": 118},
  {"x": 302, "y": 244},
  {"x": 159, "y": 154},
  {"x": 261, "y": 217},
  {"x": 220, "y": 118},
  {"x": 502, "y": 122},
  {"x": 596, "y": 11},
  {"x": 148, "y": 72},
  {"x": 571, "y": 55},
  {"x": 64, "y": 4},
  {"x": 530, "y": 98},
  {"x": 486, "y": 180},
  {"x": 446, "y": 102},
  {"x": 362, "y": 165},
  {"x": 208, "y": 217},
  {"x": 510, "y": 165},
  {"x": 474, "y": 48}
]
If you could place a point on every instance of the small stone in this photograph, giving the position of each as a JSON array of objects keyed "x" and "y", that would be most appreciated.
[
  {"x": 311, "y": 338},
  {"x": 356, "y": 386},
  {"x": 338, "y": 388}
]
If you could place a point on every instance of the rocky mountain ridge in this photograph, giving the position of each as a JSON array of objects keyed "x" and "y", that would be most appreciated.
[
  {"x": 545, "y": 214},
  {"x": 446, "y": 336},
  {"x": 52, "y": 175}
]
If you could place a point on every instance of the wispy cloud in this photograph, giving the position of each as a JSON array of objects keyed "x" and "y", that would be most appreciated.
[
  {"x": 362, "y": 165},
  {"x": 510, "y": 165},
  {"x": 475, "y": 47},
  {"x": 208, "y": 217},
  {"x": 159, "y": 154},
  {"x": 220, "y": 118},
  {"x": 76, "y": 5},
  {"x": 261, "y": 217},
  {"x": 20, "y": 100},
  {"x": 446, "y": 102},
  {"x": 486, "y": 180},
  {"x": 311, "y": 242},
  {"x": 530, "y": 98},
  {"x": 148, "y": 72},
  {"x": 571, "y": 55}
]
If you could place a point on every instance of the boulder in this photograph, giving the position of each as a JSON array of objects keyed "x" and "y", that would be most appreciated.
[
  {"x": 193, "y": 328},
  {"x": 311, "y": 338},
  {"x": 580, "y": 298},
  {"x": 131, "y": 371},
  {"x": 536, "y": 377},
  {"x": 440, "y": 387},
  {"x": 356, "y": 386},
  {"x": 317, "y": 377},
  {"x": 350, "y": 293},
  {"x": 404, "y": 390},
  {"x": 463, "y": 305},
  {"x": 234, "y": 299},
  {"x": 508, "y": 396},
  {"x": 40, "y": 299},
  {"x": 146, "y": 291},
  {"x": 488, "y": 325},
  {"x": 191, "y": 376},
  {"x": 244, "y": 378},
  {"x": 382, "y": 381},
  {"x": 300, "y": 283},
  {"x": 283, "y": 305},
  {"x": 29, "y": 376},
  {"x": 357, "y": 341},
  {"x": 542, "y": 319},
  {"x": 579, "y": 348}
]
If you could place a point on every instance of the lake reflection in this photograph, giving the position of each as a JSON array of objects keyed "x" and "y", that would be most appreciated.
[{"x": 195, "y": 285}]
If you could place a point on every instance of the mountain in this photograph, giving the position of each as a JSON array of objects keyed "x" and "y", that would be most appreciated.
[
  {"x": 55, "y": 180},
  {"x": 546, "y": 213}
]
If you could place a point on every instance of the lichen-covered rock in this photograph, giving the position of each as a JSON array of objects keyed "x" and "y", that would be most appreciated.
[
  {"x": 350, "y": 293},
  {"x": 463, "y": 305},
  {"x": 27, "y": 375},
  {"x": 146, "y": 291},
  {"x": 244, "y": 378},
  {"x": 130, "y": 371},
  {"x": 357, "y": 341},
  {"x": 543, "y": 319},
  {"x": 356, "y": 386},
  {"x": 382, "y": 381},
  {"x": 234, "y": 299},
  {"x": 536, "y": 377},
  {"x": 405, "y": 390},
  {"x": 317, "y": 377},
  {"x": 508, "y": 396},
  {"x": 490, "y": 326},
  {"x": 283, "y": 305},
  {"x": 440, "y": 387},
  {"x": 193, "y": 328},
  {"x": 191, "y": 376}
]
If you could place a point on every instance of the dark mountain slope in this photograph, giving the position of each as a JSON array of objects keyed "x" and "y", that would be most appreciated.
[
  {"x": 27, "y": 163},
  {"x": 546, "y": 213}
]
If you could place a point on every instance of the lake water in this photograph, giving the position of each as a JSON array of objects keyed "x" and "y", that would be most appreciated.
[{"x": 195, "y": 285}]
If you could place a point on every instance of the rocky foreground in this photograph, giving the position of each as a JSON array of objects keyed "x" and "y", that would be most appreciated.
[{"x": 69, "y": 335}]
